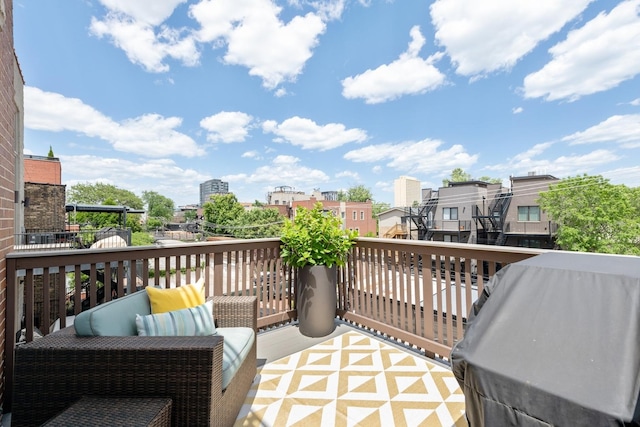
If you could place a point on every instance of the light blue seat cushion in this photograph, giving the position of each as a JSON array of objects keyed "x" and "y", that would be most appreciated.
[
  {"x": 115, "y": 318},
  {"x": 237, "y": 343}
]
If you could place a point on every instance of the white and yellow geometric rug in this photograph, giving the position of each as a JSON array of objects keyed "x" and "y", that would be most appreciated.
[{"x": 353, "y": 380}]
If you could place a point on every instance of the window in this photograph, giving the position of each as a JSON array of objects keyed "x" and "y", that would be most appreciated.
[
  {"x": 450, "y": 214},
  {"x": 528, "y": 213},
  {"x": 355, "y": 215},
  {"x": 450, "y": 238},
  {"x": 362, "y": 215},
  {"x": 530, "y": 243}
]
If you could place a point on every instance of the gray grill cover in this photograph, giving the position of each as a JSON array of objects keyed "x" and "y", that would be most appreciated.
[{"x": 554, "y": 340}]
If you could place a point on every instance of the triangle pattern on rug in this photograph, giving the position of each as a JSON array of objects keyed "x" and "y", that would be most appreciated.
[
  {"x": 313, "y": 383},
  {"x": 353, "y": 380}
]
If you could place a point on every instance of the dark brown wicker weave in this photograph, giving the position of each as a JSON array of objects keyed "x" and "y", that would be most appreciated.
[
  {"x": 115, "y": 412},
  {"x": 53, "y": 372}
]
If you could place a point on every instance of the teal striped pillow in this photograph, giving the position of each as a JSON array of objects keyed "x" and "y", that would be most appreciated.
[{"x": 194, "y": 321}]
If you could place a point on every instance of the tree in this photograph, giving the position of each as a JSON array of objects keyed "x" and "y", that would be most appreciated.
[
  {"x": 190, "y": 215},
  {"x": 594, "y": 215},
  {"x": 459, "y": 175},
  {"x": 221, "y": 211},
  {"x": 257, "y": 223},
  {"x": 104, "y": 194},
  {"x": 158, "y": 206},
  {"x": 490, "y": 180},
  {"x": 379, "y": 207},
  {"x": 357, "y": 193},
  {"x": 50, "y": 155},
  {"x": 96, "y": 194}
]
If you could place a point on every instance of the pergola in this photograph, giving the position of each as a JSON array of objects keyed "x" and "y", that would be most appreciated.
[{"x": 122, "y": 210}]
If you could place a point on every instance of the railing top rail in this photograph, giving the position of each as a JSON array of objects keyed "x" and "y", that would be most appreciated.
[
  {"x": 459, "y": 249},
  {"x": 34, "y": 259}
]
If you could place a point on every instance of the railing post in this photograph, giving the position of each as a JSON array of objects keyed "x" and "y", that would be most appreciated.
[{"x": 218, "y": 269}]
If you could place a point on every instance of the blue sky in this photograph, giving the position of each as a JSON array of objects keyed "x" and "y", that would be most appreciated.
[{"x": 328, "y": 94}]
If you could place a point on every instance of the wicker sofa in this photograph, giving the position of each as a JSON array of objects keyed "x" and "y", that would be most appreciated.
[{"x": 53, "y": 372}]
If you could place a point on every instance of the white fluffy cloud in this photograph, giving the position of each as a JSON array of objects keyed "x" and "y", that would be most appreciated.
[
  {"x": 149, "y": 135},
  {"x": 624, "y": 130},
  {"x": 594, "y": 58},
  {"x": 559, "y": 166},
  {"x": 256, "y": 38},
  {"x": 311, "y": 136},
  {"x": 407, "y": 75},
  {"x": 490, "y": 35},
  {"x": 141, "y": 175},
  {"x": 283, "y": 169},
  {"x": 152, "y": 12},
  {"x": 135, "y": 27},
  {"x": 421, "y": 157},
  {"x": 349, "y": 174},
  {"x": 227, "y": 126}
]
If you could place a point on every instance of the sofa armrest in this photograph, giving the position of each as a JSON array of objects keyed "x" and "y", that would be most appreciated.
[
  {"x": 58, "y": 369},
  {"x": 235, "y": 311}
]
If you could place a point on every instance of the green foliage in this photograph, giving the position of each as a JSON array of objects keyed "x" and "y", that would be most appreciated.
[
  {"x": 153, "y": 223},
  {"x": 221, "y": 211},
  {"x": 50, "y": 154},
  {"x": 357, "y": 193},
  {"x": 490, "y": 180},
  {"x": 315, "y": 237},
  {"x": 158, "y": 206},
  {"x": 190, "y": 215},
  {"x": 594, "y": 215},
  {"x": 459, "y": 175},
  {"x": 141, "y": 239},
  {"x": 104, "y": 194},
  {"x": 97, "y": 194},
  {"x": 379, "y": 207},
  {"x": 257, "y": 223}
]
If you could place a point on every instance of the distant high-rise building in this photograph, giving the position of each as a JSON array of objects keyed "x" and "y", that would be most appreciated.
[
  {"x": 213, "y": 186},
  {"x": 406, "y": 191}
]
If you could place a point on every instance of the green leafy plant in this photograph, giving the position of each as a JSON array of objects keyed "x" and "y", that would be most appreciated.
[{"x": 315, "y": 237}]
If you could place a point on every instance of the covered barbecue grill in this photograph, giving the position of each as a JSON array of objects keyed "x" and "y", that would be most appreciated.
[{"x": 554, "y": 340}]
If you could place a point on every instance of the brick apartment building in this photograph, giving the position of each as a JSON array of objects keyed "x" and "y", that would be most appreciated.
[
  {"x": 44, "y": 194},
  {"x": 11, "y": 147},
  {"x": 355, "y": 215}
]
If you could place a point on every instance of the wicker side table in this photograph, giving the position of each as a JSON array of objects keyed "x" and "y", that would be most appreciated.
[{"x": 112, "y": 411}]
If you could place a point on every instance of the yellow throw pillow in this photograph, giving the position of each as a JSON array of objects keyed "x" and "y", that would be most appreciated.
[{"x": 187, "y": 296}]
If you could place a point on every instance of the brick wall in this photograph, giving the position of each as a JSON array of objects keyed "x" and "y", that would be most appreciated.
[
  {"x": 354, "y": 215},
  {"x": 8, "y": 113},
  {"x": 42, "y": 170},
  {"x": 46, "y": 207}
]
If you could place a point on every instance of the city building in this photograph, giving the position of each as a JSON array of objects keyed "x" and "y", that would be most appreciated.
[
  {"x": 211, "y": 187},
  {"x": 356, "y": 216},
  {"x": 285, "y": 195},
  {"x": 44, "y": 195},
  {"x": 526, "y": 225},
  {"x": 406, "y": 192},
  {"x": 484, "y": 213},
  {"x": 392, "y": 224}
]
